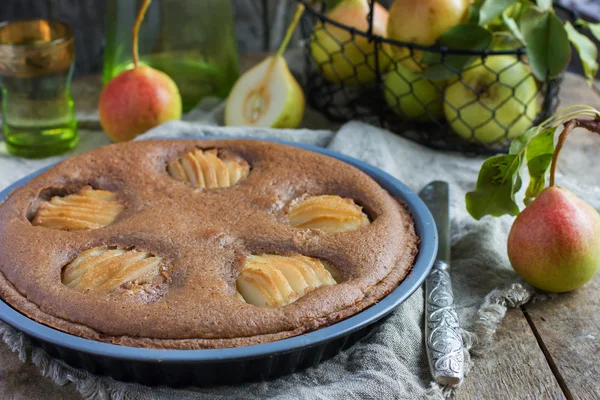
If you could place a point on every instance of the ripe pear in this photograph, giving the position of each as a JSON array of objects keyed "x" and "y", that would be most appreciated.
[
  {"x": 137, "y": 100},
  {"x": 422, "y": 22},
  {"x": 267, "y": 95},
  {"x": 554, "y": 244},
  {"x": 412, "y": 96},
  {"x": 343, "y": 58},
  {"x": 492, "y": 99}
]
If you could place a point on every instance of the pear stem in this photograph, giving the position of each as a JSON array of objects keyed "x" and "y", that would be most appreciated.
[
  {"x": 290, "y": 30},
  {"x": 592, "y": 125},
  {"x": 136, "y": 31}
]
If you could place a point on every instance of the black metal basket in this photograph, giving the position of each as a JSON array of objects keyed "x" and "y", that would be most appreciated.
[{"x": 408, "y": 103}]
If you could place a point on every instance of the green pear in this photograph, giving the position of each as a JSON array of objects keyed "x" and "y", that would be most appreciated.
[
  {"x": 492, "y": 100},
  {"x": 422, "y": 22},
  {"x": 345, "y": 58},
  {"x": 554, "y": 244},
  {"x": 412, "y": 96},
  {"x": 267, "y": 95}
]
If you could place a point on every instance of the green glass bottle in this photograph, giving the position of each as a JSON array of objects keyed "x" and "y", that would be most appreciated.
[{"x": 193, "y": 41}]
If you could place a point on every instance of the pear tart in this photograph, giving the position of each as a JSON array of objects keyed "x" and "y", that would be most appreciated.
[
  {"x": 206, "y": 169},
  {"x": 270, "y": 280},
  {"x": 87, "y": 209},
  {"x": 328, "y": 213},
  {"x": 102, "y": 269},
  {"x": 261, "y": 242}
]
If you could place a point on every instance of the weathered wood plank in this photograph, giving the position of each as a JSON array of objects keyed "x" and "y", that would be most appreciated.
[
  {"x": 514, "y": 368},
  {"x": 569, "y": 326}
]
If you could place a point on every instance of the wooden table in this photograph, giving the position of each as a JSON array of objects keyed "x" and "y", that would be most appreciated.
[
  {"x": 548, "y": 350},
  {"x": 551, "y": 349}
]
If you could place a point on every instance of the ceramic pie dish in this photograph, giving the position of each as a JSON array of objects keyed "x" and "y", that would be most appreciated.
[{"x": 249, "y": 266}]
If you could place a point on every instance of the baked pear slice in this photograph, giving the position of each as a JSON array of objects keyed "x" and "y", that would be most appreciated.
[
  {"x": 206, "y": 169},
  {"x": 273, "y": 281},
  {"x": 328, "y": 213},
  {"x": 85, "y": 210},
  {"x": 103, "y": 269}
]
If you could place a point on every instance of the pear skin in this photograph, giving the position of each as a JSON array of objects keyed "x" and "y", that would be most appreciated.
[
  {"x": 554, "y": 244},
  {"x": 137, "y": 100},
  {"x": 267, "y": 95},
  {"x": 344, "y": 58},
  {"x": 422, "y": 22}
]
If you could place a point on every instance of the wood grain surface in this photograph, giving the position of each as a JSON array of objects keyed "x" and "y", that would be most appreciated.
[
  {"x": 569, "y": 326},
  {"x": 514, "y": 368}
]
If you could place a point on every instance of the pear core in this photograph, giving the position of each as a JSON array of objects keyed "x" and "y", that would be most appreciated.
[{"x": 267, "y": 96}]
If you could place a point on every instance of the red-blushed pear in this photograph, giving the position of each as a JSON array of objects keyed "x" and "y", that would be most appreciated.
[
  {"x": 422, "y": 22},
  {"x": 345, "y": 58},
  {"x": 138, "y": 99},
  {"x": 554, "y": 244}
]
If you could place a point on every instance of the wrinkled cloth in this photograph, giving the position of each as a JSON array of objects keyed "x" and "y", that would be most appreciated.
[{"x": 391, "y": 361}]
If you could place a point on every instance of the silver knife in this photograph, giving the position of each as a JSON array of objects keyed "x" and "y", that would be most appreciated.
[{"x": 443, "y": 339}]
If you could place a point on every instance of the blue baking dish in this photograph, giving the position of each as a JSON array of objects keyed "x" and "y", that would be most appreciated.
[{"x": 250, "y": 363}]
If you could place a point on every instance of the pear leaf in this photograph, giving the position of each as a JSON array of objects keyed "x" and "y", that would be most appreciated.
[
  {"x": 520, "y": 142},
  {"x": 490, "y": 9},
  {"x": 588, "y": 52},
  {"x": 512, "y": 26},
  {"x": 497, "y": 183},
  {"x": 529, "y": 18},
  {"x": 544, "y": 4},
  {"x": 539, "y": 157},
  {"x": 460, "y": 37},
  {"x": 473, "y": 15},
  {"x": 595, "y": 29},
  {"x": 548, "y": 49}
]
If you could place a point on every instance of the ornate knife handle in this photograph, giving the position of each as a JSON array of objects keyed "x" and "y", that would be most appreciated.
[{"x": 442, "y": 331}]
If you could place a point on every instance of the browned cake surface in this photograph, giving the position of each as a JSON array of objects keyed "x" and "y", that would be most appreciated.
[{"x": 201, "y": 238}]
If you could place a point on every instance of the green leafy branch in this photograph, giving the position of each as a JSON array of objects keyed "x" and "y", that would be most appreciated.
[
  {"x": 530, "y": 25},
  {"x": 501, "y": 176}
]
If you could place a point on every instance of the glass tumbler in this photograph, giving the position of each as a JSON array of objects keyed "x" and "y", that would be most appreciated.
[{"x": 36, "y": 65}]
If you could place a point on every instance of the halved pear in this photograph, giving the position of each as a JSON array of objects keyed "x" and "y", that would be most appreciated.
[
  {"x": 100, "y": 270},
  {"x": 268, "y": 95},
  {"x": 270, "y": 280},
  {"x": 208, "y": 169},
  {"x": 85, "y": 210},
  {"x": 328, "y": 213}
]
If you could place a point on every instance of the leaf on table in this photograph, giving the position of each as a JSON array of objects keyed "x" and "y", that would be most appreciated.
[
  {"x": 512, "y": 26},
  {"x": 548, "y": 49},
  {"x": 460, "y": 37},
  {"x": 490, "y": 9},
  {"x": 588, "y": 52},
  {"x": 497, "y": 183},
  {"x": 544, "y": 4},
  {"x": 539, "y": 157}
]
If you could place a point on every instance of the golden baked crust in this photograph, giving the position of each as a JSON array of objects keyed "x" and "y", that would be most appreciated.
[{"x": 203, "y": 237}]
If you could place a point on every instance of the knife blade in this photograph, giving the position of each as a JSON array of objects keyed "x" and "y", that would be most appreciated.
[{"x": 443, "y": 339}]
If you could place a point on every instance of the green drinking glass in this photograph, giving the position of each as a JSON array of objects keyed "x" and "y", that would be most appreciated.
[{"x": 36, "y": 65}]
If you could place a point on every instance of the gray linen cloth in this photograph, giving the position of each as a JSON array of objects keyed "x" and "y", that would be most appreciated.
[{"x": 391, "y": 361}]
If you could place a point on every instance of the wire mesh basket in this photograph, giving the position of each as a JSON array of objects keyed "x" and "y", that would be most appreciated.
[{"x": 476, "y": 109}]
